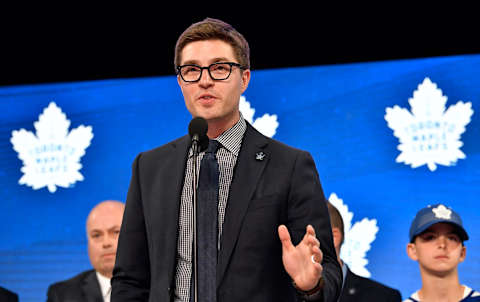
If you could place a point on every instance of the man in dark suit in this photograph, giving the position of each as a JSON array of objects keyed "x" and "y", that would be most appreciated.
[
  {"x": 274, "y": 236},
  {"x": 7, "y": 296},
  {"x": 103, "y": 227},
  {"x": 356, "y": 288}
]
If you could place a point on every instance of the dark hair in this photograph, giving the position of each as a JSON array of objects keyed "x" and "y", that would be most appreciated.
[
  {"x": 214, "y": 29},
  {"x": 336, "y": 219}
]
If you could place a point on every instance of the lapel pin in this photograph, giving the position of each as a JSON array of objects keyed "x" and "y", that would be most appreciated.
[{"x": 260, "y": 155}]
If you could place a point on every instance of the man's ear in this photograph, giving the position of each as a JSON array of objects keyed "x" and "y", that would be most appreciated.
[
  {"x": 463, "y": 254},
  {"x": 412, "y": 251},
  {"x": 245, "y": 79}
]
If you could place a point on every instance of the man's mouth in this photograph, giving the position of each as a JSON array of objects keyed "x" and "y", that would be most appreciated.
[
  {"x": 108, "y": 255},
  {"x": 207, "y": 99}
]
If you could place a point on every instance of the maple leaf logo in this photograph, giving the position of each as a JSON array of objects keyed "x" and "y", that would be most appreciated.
[
  {"x": 429, "y": 135},
  {"x": 442, "y": 212},
  {"x": 267, "y": 124},
  {"x": 358, "y": 238},
  {"x": 52, "y": 157}
]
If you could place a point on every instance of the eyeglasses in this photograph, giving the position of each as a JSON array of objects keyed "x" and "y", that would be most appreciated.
[{"x": 217, "y": 71}]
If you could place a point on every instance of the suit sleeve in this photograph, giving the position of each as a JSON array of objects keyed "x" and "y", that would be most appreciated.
[
  {"x": 52, "y": 294},
  {"x": 307, "y": 205},
  {"x": 395, "y": 296},
  {"x": 7, "y": 295},
  {"x": 131, "y": 275}
]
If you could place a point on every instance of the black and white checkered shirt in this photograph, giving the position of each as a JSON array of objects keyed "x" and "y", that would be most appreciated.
[{"x": 227, "y": 155}]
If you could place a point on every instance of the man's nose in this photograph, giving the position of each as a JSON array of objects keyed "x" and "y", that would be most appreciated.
[
  {"x": 107, "y": 242},
  {"x": 205, "y": 78},
  {"x": 442, "y": 241}
]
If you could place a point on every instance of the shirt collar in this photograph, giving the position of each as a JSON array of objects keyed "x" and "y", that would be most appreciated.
[
  {"x": 104, "y": 284},
  {"x": 466, "y": 292},
  {"x": 344, "y": 272},
  {"x": 232, "y": 138}
]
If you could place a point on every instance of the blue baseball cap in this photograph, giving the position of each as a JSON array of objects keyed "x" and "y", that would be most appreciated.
[{"x": 431, "y": 215}]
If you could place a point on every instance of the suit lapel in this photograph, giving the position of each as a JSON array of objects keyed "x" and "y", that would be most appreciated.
[
  {"x": 91, "y": 288},
  {"x": 248, "y": 170},
  {"x": 169, "y": 199},
  {"x": 349, "y": 290}
]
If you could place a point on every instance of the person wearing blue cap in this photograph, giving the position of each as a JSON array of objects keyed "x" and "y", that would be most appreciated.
[{"x": 437, "y": 240}]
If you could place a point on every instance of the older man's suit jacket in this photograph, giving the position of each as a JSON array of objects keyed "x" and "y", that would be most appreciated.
[
  {"x": 7, "y": 295},
  {"x": 84, "y": 287},
  {"x": 360, "y": 289},
  {"x": 281, "y": 187}
]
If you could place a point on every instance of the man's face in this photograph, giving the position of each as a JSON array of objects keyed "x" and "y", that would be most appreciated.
[
  {"x": 103, "y": 228},
  {"x": 438, "y": 250},
  {"x": 215, "y": 100}
]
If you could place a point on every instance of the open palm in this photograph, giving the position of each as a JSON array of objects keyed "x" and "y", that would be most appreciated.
[{"x": 297, "y": 260}]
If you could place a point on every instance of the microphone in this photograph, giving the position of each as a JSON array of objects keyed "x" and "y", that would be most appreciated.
[
  {"x": 197, "y": 129},
  {"x": 198, "y": 132}
]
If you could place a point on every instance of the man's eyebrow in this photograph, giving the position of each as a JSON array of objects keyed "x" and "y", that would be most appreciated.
[
  {"x": 214, "y": 60},
  {"x": 427, "y": 232},
  {"x": 453, "y": 233}
]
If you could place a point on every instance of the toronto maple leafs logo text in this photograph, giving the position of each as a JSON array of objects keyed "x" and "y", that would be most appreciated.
[
  {"x": 429, "y": 134},
  {"x": 52, "y": 157}
]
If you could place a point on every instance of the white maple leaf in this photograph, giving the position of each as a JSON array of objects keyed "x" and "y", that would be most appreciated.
[
  {"x": 358, "y": 238},
  {"x": 429, "y": 134},
  {"x": 52, "y": 157},
  {"x": 267, "y": 124},
  {"x": 442, "y": 212}
]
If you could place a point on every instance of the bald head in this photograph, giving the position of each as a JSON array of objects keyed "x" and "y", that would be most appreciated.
[
  {"x": 103, "y": 208},
  {"x": 103, "y": 228}
]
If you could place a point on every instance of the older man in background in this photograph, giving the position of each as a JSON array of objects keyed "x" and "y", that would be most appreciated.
[{"x": 103, "y": 227}]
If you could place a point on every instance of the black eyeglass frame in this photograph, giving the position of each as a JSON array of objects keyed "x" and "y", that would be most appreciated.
[{"x": 231, "y": 64}]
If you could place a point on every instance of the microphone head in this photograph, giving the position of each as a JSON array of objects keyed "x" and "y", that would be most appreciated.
[{"x": 197, "y": 129}]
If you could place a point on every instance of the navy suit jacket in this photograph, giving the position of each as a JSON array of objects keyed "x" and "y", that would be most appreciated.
[
  {"x": 283, "y": 188},
  {"x": 359, "y": 289},
  {"x": 84, "y": 287},
  {"x": 7, "y": 295}
]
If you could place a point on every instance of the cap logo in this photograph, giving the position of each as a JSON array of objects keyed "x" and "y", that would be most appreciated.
[{"x": 442, "y": 212}]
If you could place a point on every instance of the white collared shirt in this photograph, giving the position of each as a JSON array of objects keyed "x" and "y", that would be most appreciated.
[
  {"x": 104, "y": 286},
  {"x": 468, "y": 295},
  {"x": 231, "y": 141}
]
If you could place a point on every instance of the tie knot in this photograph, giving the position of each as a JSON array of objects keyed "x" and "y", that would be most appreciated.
[{"x": 213, "y": 146}]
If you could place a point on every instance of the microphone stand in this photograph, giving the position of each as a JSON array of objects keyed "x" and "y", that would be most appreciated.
[{"x": 195, "y": 148}]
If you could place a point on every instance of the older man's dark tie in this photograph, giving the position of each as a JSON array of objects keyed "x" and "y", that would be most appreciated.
[{"x": 207, "y": 228}]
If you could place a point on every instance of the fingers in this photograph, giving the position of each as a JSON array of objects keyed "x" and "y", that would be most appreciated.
[
  {"x": 310, "y": 238},
  {"x": 313, "y": 244},
  {"x": 310, "y": 230},
  {"x": 309, "y": 242},
  {"x": 317, "y": 254},
  {"x": 284, "y": 236}
]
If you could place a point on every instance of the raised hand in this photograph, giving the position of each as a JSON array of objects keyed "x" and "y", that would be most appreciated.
[{"x": 302, "y": 262}]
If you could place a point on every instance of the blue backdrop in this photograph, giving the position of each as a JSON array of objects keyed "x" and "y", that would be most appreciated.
[{"x": 336, "y": 112}]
